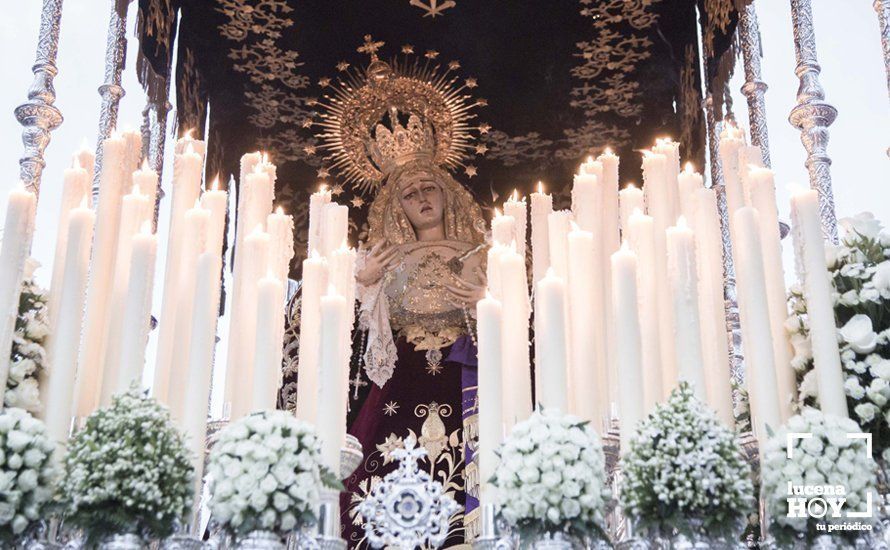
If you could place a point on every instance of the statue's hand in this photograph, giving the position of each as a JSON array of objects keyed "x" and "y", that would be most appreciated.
[
  {"x": 465, "y": 294},
  {"x": 379, "y": 260}
]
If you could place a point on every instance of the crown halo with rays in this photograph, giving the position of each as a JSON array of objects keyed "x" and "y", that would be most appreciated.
[{"x": 435, "y": 107}]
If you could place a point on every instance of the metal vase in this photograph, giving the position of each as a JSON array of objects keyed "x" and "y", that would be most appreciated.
[
  {"x": 127, "y": 541},
  {"x": 261, "y": 540},
  {"x": 552, "y": 541}
]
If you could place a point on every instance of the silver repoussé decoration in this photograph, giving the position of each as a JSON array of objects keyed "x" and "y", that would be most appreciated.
[
  {"x": 407, "y": 508},
  {"x": 754, "y": 88},
  {"x": 128, "y": 541},
  {"x": 260, "y": 540},
  {"x": 812, "y": 116},
  {"x": 350, "y": 456},
  {"x": 111, "y": 90},
  {"x": 38, "y": 115}
]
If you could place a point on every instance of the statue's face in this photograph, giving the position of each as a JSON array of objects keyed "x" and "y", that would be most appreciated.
[{"x": 422, "y": 200}]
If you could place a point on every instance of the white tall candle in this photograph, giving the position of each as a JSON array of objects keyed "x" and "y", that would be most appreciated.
[
  {"x": 336, "y": 226},
  {"x": 542, "y": 206},
  {"x": 341, "y": 275},
  {"x": 256, "y": 264},
  {"x": 630, "y": 199},
  {"x": 315, "y": 281},
  {"x": 688, "y": 182},
  {"x": 491, "y": 414},
  {"x": 760, "y": 371},
  {"x": 137, "y": 313},
  {"x": 731, "y": 140},
  {"x": 197, "y": 222},
  {"x": 658, "y": 203},
  {"x": 516, "y": 367},
  {"x": 331, "y": 419},
  {"x": 762, "y": 195},
  {"x": 810, "y": 251},
  {"x": 112, "y": 182},
  {"x": 609, "y": 223},
  {"x": 684, "y": 296},
  {"x": 671, "y": 151},
  {"x": 709, "y": 261},
  {"x": 64, "y": 341},
  {"x": 503, "y": 229},
  {"x": 146, "y": 180},
  {"x": 217, "y": 202},
  {"x": 587, "y": 197},
  {"x": 86, "y": 159},
  {"x": 281, "y": 228},
  {"x": 75, "y": 189},
  {"x": 316, "y": 205},
  {"x": 516, "y": 208},
  {"x": 135, "y": 211},
  {"x": 641, "y": 238},
  {"x": 133, "y": 150},
  {"x": 268, "y": 353},
  {"x": 187, "y": 168},
  {"x": 558, "y": 227},
  {"x": 186, "y": 141},
  {"x": 551, "y": 301},
  {"x": 589, "y": 373},
  {"x": 610, "y": 217},
  {"x": 629, "y": 353},
  {"x": 493, "y": 269},
  {"x": 254, "y": 205},
  {"x": 749, "y": 158},
  {"x": 200, "y": 359}
]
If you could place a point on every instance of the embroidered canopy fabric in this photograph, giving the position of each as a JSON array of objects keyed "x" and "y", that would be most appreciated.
[{"x": 551, "y": 80}]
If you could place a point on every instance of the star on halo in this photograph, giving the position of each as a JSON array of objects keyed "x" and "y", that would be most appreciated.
[
  {"x": 391, "y": 408},
  {"x": 407, "y": 49},
  {"x": 471, "y": 83},
  {"x": 454, "y": 65},
  {"x": 481, "y": 149},
  {"x": 342, "y": 66},
  {"x": 434, "y": 368},
  {"x": 484, "y": 128},
  {"x": 323, "y": 173},
  {"x": 470, "y": 171},
  {"x": 431, "y": 54},
  {"x": 337, "y": 190},
  {"x": 310, "y": 150},
  {"x": 357, "y": 202},
  {"x": 324, "y": 82}
]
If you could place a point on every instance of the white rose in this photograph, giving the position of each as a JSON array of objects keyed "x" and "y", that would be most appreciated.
[
  {"x": 551, "y": 479},
  {"x": 866, "y": 411},
  {"x": 853, "y": 388},
  {"x": 858, "y": 332},
  {"x": 861, "y": 225},
  {"x": 881, "y": 278}
]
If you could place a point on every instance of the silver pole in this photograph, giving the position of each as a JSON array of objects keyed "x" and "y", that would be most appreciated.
[
  {"x": 754, "y": 88},
  {"x": 111, "y": 90},
  {"x": 882, "y": 7},
  {"x": 38, "y": 115},
  {"x": 812, "y": 116}
]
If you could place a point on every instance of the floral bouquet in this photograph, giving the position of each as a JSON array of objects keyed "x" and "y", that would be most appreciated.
[
  {"x": 128, "y": 471},
  {"x": 684, "y": 472},
  {"x": 28, "y": 352},
  {"x": 27, "y": 474},
  {"x": 827, "y": 465},
  {"x": 266, "y": 474},
  {"x": 551, "y": 477},
  {"x": 860, "y": 272}
]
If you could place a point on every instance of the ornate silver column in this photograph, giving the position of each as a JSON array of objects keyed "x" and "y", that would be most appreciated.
[
  {"x": 111, "y": 91},
  {"x": 154, "y": 137},
  {"x": 812, "y": 116},
  {"x": 754, "y": 88},
  {"x": 38, "y": 115}
]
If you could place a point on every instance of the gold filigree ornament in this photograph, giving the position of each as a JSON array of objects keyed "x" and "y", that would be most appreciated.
[{"x": 377, "y": 119}]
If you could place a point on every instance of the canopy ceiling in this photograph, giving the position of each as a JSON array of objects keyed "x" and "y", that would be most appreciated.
[{"x": 555, "y": 79}]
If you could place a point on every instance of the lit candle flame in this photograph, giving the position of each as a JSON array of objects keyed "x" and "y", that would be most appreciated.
[
  {"x": 608, "y": 151},
  {"x": 541, "y": 187},
  {"x": 515, "y": 196},
  {"x": 189, "y": 150},
  {"x": 187, "y": 136},
  {"x": 145, "y": 167},
  {"x": 215, "y": 185},
  {"x": 625, "y": 247},
  {"x": 689, "y": 169},
  {"x": 497, "y": 213},
  {"x": 323, "y": 187},
  {"x": 279, "y": 210},
  {"x": 630, "y": 185},
  {"x": 681, "y": 222}
]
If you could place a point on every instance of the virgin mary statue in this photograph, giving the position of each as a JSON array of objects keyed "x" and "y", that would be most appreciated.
[{"x": 397, "y": 130}]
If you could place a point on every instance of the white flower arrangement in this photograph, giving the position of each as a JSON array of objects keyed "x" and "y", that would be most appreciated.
[
  {"x": 860, "y": 273},
  {"x": 27, "y": 473},
  {"x": 551, "y": 477},
  {"x": 266, "y": 473},
  {"x": 685, "y": 473},
  {"x": 127, "y": 471},
  {"x": 828, "y": 458},
  {"x": 28, "y": 354}
]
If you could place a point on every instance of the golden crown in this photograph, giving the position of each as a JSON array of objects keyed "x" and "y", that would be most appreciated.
[{"x": 359, "y": 143}]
